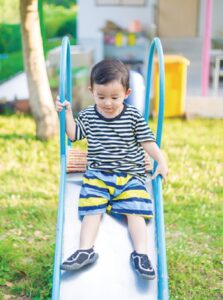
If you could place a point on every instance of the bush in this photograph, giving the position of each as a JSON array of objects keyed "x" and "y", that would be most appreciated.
[
  {"x": 10, "y": 38},
  {"x": 56, "y": 17},
  {"x": 11, "y": 65},
  {"x": 69, "y": 27},
  {"x": 65, "y": 3}
]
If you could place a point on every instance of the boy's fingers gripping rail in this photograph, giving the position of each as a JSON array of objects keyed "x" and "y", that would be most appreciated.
[
  {"x": 148, "y": 163},
  {"x": 76, "y": 161}
]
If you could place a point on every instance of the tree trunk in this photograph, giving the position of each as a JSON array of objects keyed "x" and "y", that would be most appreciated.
[{"x": 41, "y": 101}]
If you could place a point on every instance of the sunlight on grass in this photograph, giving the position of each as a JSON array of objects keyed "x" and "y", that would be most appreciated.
[
  {"x": 29, "y": 173},
  {"x": 29, "y": 177}
]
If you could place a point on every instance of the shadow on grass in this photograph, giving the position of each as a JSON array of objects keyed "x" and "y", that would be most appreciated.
[{"x": 15, "y": 136}]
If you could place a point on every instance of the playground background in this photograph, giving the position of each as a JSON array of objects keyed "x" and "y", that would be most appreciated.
[{"x": 29, "y": 174}]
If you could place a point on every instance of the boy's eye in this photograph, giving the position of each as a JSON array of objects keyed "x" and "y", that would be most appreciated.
[
  {"x": 101, "y": 98},
  {"x": 114, "y": 98}
]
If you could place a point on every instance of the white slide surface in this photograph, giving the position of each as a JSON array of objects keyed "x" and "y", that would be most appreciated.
[{"x": 112, "y": 276}]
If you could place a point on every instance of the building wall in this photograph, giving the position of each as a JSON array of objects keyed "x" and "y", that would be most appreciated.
[
  {"x": 217, "y": 19},
  {"x": 92, "y": 18}
]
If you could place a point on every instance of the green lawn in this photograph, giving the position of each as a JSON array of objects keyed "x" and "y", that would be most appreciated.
[{"x": 29, "y": 172}]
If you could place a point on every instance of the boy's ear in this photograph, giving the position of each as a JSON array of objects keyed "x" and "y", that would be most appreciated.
[
  {"x": 90, "y": 89},
  {"x": 128, "y": 92}
]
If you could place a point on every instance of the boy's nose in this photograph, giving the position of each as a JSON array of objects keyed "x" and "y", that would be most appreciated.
[{"x": 108, "y": 103}]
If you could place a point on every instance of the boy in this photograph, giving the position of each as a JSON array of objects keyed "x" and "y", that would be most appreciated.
[{"x": 117, "y": 136}]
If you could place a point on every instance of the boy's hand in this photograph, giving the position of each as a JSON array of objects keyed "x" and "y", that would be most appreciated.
[
  {"x": 162, "y": 170},
  {"x": 60, "y": 106}
]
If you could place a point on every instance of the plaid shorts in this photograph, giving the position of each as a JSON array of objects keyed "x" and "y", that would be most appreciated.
[{"x": 117, "y": 193}]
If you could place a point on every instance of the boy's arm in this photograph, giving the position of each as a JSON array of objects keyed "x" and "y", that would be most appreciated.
[
  {"x": 70, "y": 123},
  {"x": 154, "y": 151}
]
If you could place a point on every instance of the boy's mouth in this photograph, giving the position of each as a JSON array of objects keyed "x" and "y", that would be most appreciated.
[{"x": 108, "y": 108}]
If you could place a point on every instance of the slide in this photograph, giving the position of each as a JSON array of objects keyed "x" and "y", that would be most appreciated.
[{"x": 112, "y": 276}]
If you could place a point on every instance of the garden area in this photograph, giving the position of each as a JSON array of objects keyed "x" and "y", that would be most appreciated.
[{"x": 29, "y": 176}]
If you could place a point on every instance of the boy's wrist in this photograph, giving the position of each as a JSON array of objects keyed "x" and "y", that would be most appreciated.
[
  {"x": 162, "y": 161},
  {"x": 68, "y": 111}
]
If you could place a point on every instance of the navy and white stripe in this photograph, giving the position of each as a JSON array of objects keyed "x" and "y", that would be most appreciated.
[{"x": 114, "y": 144}]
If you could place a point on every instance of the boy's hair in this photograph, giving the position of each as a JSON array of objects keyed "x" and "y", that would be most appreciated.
[{"x": 109, "y": 70}]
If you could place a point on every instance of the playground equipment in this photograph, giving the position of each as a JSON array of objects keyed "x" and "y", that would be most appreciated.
[{"x": 111, "y": 276}]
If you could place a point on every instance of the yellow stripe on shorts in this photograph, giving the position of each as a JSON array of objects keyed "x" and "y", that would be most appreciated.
[
  {"x": 92, "y": 201},
  {"x": 94, "y": 182},
  {"x": 99, "y": 183},
  {"x": 123, "y": 180},
  {"x": 132, "y": 194}
]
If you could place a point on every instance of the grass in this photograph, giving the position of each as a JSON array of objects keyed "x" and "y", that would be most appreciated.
[
  {"x": 28, "y": 201},
  {"x": 29, "y": 172},
  {"x": 193, "y": 208}
]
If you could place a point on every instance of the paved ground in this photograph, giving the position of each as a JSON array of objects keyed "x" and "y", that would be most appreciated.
[{"x": 15, "y": 88}]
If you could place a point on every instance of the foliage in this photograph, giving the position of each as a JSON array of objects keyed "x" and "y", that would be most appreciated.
[
  {"x": 11, "y": 16},
  {"x": 57, "y": 17},
  {"x": 29, "y": 174},
  {"x": 11, "y": 65},
  {"x": 65, "y": 3},
  {"x": 68, "y": 28},
  {"x": 10, "y": 38},
  {"x": 9, "y": 12},
  {"x": 59, "y": 21}
]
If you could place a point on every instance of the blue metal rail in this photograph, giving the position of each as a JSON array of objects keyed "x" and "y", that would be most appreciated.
[
  {"x": 65, "y": 93},
  {"x": 163, "y": 291}
]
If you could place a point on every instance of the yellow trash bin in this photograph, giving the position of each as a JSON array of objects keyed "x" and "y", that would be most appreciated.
[{"x": 175, "y": 85}]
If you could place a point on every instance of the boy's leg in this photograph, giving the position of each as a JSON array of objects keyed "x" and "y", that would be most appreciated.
[
  {"x": 89, "y": 230},
  {"x": 85, "y": 255},
  {"x": 138, "y": 233},
  {"x": 139, "y": 257}
]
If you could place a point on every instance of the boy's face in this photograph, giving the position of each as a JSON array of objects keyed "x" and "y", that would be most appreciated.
[{"x": 109, "y": 98}]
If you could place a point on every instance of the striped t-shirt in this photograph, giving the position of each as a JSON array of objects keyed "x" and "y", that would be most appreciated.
[{"x": 114, "y": 143}]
